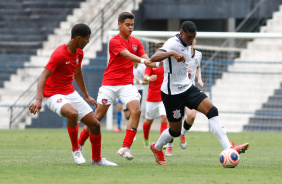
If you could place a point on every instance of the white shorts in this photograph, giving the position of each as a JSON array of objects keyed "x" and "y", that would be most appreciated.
[
  {"x": 56, "y": 102},
  {"x": 154, "y": 109},
  {"x": 108, "y": 94}
]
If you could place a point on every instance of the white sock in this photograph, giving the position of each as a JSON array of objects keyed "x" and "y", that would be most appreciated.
[
  {"x": 169, "y": 145},
  {"x": 183, "y": 130},
  {"x": 219, "y": 132},
  {"x": 164, "y": 138}
]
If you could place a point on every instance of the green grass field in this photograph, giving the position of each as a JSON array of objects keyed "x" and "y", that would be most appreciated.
[{"x": 44, "y": 156}]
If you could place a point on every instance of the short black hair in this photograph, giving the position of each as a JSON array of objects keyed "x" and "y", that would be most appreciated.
[
  {"x": 80, "y": 30},
  {"x": 188, "y": 26},
  {"x": 125, "y": 15}
]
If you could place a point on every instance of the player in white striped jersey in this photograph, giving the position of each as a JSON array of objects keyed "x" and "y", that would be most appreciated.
[
  {"x": 193, "y": 72},
  {"x": 177, "y": 91}
]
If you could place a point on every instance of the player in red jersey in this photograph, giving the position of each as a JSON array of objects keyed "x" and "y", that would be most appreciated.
[
  {"x": 55, "y": 85},
  {"x": 154, "y": 104},
  {"x": 118, "y": 80}
]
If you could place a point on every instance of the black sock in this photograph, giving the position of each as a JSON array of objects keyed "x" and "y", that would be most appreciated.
[{"x": 186, "y": 125}]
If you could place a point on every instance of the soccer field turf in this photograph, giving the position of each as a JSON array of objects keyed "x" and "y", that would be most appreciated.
[{"x": 44, "y": 156}]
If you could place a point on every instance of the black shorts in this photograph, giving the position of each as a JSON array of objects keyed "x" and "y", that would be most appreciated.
[{"x": 175, "y": 104}]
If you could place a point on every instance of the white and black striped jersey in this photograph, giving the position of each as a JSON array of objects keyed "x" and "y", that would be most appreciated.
[
  {"x": 176, "y": 79},
  {"x": 195, "y": 63}
]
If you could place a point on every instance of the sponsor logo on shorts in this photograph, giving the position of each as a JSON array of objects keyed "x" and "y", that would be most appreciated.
[
  {"x": 104, "y": 101},
  {"x": 59, "y": 100},
  {"x": 176, "y": 114}
]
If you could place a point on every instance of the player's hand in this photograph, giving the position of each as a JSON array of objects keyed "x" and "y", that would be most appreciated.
[
  {"x": 147, "y": 62},
  {"x": 91, "y": 100},
  {"x": 153, "y": 77},
  {"x": 161, "y": 65},
  {"x": 201, "y": 84},
  {"x": 137, "y": 80},
  {"x": 179, "y": 57},
  {"x": 35, "y": 106}
]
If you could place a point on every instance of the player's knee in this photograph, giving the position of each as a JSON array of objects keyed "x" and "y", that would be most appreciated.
[
  {"x": 212, "y": 112},
  {"x": 94, "y": 126},
  {"x": 136, "y": 112},
  {"x": 72, "y": 114},
  {"x": 174, "y": 134}
]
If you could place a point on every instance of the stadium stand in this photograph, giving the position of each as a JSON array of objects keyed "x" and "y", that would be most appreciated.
[{"x": 97, "y": 10}]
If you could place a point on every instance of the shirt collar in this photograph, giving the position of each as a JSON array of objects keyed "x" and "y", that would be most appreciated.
[{"x": 178, "y": 36}]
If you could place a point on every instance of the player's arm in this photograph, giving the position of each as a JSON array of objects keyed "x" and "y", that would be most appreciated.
[
  {"x": 149, "y": 78},
  {"x": 79, "y": 79},
  {"x": 144, "y": 59},
  {"x": 199, "y": 77},
  {"x": 160, "y": 55},
  {"x": 36, "y": 105}
]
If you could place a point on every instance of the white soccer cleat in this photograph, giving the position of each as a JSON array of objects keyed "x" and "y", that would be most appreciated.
[
  {"x": 77, "y": 156},
  {"x": 125, "y": 152},
  {"x": 103, "y": 161},
  {"x": 183, "y": 142}
]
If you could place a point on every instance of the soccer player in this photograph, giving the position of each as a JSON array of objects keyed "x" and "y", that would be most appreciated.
[
  {"x": 55, "y": 85},
  {"x": 177, "y": 91},
  {"x": 193, "y": 71},
  {"x": 154, "y": 104},
  {"x": 118, "y": 80}
]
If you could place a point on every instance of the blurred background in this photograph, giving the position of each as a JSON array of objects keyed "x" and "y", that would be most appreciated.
[{"x": 240, "y": 41}]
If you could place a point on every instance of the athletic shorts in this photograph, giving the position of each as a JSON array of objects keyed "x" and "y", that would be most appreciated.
[
  {"x": 56, "y": 102},
  {"x": 175, "y": 104},
  {"x": 154, "y": 109},
  {"x": 141, "y": 94},
  {"x": 108, "y": 94}
]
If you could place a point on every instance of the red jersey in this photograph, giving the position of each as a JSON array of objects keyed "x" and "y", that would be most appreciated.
[
  {"x": 62, "y": 64},
  {"x": 154, "y": 91},
  {"x": 120, "y": 70}
]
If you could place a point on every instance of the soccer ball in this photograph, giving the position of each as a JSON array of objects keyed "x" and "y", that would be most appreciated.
[{"x": 229, "y": 158}]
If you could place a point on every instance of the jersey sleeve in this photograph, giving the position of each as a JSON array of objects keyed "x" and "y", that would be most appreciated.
[
  {"x": 115, "y": 46},
  {"x": 148, "y": 71},
  {"x": 55, "y": 60},
  {"x": 169, "y": 45},
  {"x": 141, "y": 50}
]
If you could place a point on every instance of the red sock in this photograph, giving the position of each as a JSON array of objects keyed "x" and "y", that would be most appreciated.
[
  {"x": 96, "y": 146},
  {"x": 163, "y": 127},
  {"x": 146, "y": 130},
  {"x": 84, "y": 134},
  {"x": 73, "y": 133},
  {"x": 129, "y": 136}
]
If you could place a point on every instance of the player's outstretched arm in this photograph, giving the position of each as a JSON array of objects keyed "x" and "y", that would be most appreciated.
[
  {"x": 150, "y": 78},
  {"x": 144, "y": 59},
  {"x": 36, "y": 105}
]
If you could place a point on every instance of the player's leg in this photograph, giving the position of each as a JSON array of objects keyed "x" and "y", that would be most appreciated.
[
  {"x": 174, "y": 106},
  {"x": 95, "y": 138},
  {"x": 187, "y": 124},
  {"x": 146, "y": 131},
  {"x": 118, "y": 116},
  {"x": 131, "y": 99},
  {"x": 63, "y": 107},
  {"x": 207, "y": 108}
]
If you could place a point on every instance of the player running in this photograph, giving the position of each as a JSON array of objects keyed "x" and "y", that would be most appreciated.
[
  {"x": 177, "y": 91},
  {"x": 55, "y": 85}
]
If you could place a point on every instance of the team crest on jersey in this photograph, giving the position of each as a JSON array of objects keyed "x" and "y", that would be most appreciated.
[
  {"x": 104, "y": 101},
  {"x": 176, "y": 114},
  {"x": 134, "y": 47},
  {"x": 59, "y": 100},
  {"x": 77, "y": 60}
]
